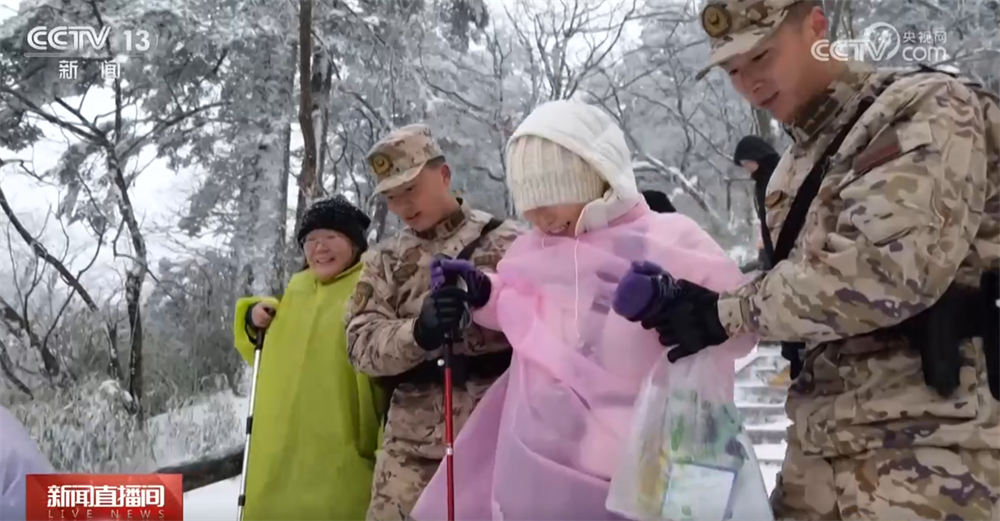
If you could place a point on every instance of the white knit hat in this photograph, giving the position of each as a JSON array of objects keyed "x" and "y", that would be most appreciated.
[
  {"x": 589, "y": 135},
  {"x": 543, "y": 173}
]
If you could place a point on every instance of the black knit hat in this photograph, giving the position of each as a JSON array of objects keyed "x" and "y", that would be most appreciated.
[
  {"x": 658, "y": 201},
  {"x": 753, "y": 148},
  {"x": 338, "y": 214}
]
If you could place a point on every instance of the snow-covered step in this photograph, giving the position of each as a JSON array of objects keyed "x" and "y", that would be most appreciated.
[
  {"x": 769, "y": 347},
  {"x": 768, "y": 433},
  {"x": 760, "y": 392},
  {"x": 761, "y": 402},
  {"x": 770, "y": 473},
  {"x": 765, "y": 373},
  {"x": 770, "y": 453},
  {"x": 760, "y": 351},
  {"x": 765, "y": 364},
  {"x": 760, "y": 413},
  {"x": 769, "y": 357}
]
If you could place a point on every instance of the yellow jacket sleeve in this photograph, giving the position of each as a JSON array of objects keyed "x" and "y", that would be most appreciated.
[
  {"x": 371, "y": 441},
  {"x": 243, "y": 343}
]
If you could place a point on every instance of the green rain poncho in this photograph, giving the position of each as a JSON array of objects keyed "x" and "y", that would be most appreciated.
[{"x": 316, "y": 420}]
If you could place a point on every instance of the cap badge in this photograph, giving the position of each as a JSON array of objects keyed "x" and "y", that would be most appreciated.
[
  {"x": 716, "y": 20},
  {"x": 381, "y": 164}
]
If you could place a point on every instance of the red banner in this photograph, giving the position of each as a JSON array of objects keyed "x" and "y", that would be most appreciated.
[{"x": 102, "y": 497}]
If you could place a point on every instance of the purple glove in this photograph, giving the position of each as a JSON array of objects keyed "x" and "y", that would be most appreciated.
[
  {"x": 444, "y": 271},
  {"x": 643, "y": 290},
  {"x": 684, "y": 314}
]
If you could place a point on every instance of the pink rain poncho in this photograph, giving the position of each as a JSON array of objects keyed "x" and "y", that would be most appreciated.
[{"x": 545, "y": 440}]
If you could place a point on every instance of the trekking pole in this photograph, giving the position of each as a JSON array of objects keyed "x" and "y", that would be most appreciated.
[
  {"x": 449, "y": 426},
  {"x": 258, "y": 347},
  {"x": 449, "y": 412}
]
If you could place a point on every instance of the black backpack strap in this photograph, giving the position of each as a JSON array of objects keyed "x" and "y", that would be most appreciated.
[
  {"x": 470, "y": 248},
  {"x": 968, "y": 81},
  {"x": 923, "y": 68},
  {"x": 765, "y": 233},
  {"x": 796, "y": 218}
]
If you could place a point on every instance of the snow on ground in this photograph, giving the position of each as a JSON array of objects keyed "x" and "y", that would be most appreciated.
[
  {"x": 770, "y": 473},
  {"x": 769, "y": 452},
  {"x": 209, "y": 427},
  {"x": 189, "y": 433},
  {"x": 770, "y": 455},
  {"x": 216, "y": 502}
]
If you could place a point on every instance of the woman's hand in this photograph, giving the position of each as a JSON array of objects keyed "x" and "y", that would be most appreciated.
[
  {"x": 261, "y": 315},
  {"x": 477, "y": 283}
]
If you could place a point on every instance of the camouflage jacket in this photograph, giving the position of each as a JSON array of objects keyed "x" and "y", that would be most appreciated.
[
  {"x": 903, "y": 211},
  {"x": 393, "y": 283}
]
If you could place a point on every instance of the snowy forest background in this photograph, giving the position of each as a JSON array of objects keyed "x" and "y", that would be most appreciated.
[{"x": 136, "y": 211}]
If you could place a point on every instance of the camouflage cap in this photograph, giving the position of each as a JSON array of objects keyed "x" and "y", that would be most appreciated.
[
  {"x": 737, "y": 26},
  {"x": 400, "y": 155}
]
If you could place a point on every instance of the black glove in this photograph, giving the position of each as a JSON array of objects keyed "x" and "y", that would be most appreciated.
[
  {"x": 938, "y": 332},
  {"x": 791, "y": 351},
  {"x": 440, "y": 315},
  {"x": 690, "y": 321},
  {"x": 963, "y": 312}
]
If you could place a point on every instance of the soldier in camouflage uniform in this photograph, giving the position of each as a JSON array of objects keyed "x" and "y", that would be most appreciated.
[
  {"x": 395, "y": 325},
  {"x": 895, "y": 412}
]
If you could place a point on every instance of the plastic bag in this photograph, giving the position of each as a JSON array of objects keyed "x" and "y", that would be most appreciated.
[{"x": 688, "y": 456}]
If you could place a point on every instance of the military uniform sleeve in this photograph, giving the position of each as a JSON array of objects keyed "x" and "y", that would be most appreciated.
[
  {"x": 378, "y": 342},
  {"x": 904, "y": 228},
  {"x": 479, "y": 339}
]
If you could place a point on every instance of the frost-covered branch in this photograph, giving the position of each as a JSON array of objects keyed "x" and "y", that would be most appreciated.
[
  {"x": 42, "y": 252},
  {"x": 76, "y": 130},
  {"x": 72, "y": 280},
  {"x": 20, "y": 326},
  {"x": 549, "y": 34}
]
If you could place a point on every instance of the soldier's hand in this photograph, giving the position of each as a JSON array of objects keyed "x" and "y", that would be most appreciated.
[
  {"x": 692, "y": 325},
  {"x": 261, "y": 315},
  {"x": 684, "y": 314},
  {"x": 441, "y": 313}
]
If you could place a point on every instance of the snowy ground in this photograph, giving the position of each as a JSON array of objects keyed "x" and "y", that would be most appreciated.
[
  {"x": 215, "y": 502},
  {"x": 770, "y": 470},
  {"x": 198, "y": 430}
]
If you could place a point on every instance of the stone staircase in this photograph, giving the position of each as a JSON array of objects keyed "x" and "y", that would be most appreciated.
[{"x": 762, "y": 404}]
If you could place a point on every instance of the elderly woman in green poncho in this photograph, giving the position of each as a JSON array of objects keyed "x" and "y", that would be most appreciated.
[{"x": 316, "y": 420}]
